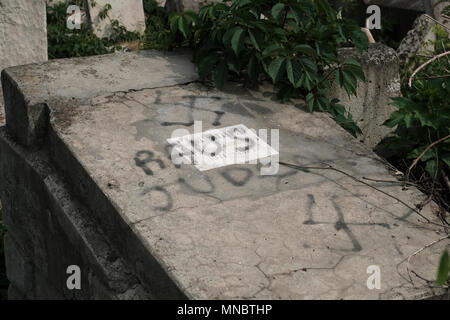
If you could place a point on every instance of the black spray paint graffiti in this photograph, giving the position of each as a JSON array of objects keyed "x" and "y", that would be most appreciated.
[
  {"x": 238, "y": 177},
  {"x": 142, "y": 162},
  {"x": 162, "y": 190},
  {"x": 191, "y": 105},
  {"x": 230, "y": 176},
  {"x": 340, "y": 224},
  {"x": 195, "y": 102}
]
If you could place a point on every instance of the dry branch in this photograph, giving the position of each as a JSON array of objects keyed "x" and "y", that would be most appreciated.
[{"x": 425, "y": 64}]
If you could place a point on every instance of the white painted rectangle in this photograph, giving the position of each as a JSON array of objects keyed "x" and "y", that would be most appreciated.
[{"x": 221, "y": 147}]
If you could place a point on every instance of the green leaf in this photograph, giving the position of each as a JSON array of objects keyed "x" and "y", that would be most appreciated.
[
  {"x": 310, "y": 101},
  {"x": 354, "y": 67},
  {"x": 271, "y": 49},
  {"x": 306, "y": 80},
  {"x": 323, "y": 103},
  {"x": 206, "y": 65},
  {"x": 357, "y": 72},
  {"x": 294, "y": 26},
  {"x": 443, "y": 270},
  {"x": 446, "y": 159},
  {"x": 253, "y": 69},
  {"x": 430, "y": 167},
  {"x": 190, "y": 16},
  {"x": 351, "y": 62},
  {"x": 173, "y": 22},
  {"x": 324, "y": 6},
  {"x": 408, "y": 120},
  {"x": 418, "y": 151},
  {"x": 276, "y": 68},
  {"x": 277, "y": 11},
  {"x": 395, "y": 119},
  {"x": 243, "y": 3},
  {"x": 220, "y": 74},
  {"x": 183, "y": 26},
  {"x": 360, "y": 40},
  {"x": 339, "y": 77},
  {"x": 295, "y": 13},
  {"x": 350, "y": 82},
  {"x": 233, "y": 63},
  {"x": 226, "y": 39},
  {"x": 237, "y": 41},
  {"x": 294, "y": 72},
  {"x": 253, "y": 40},
  {"x": 308, "y": 64},
  {"x": 306, "y": 49}
]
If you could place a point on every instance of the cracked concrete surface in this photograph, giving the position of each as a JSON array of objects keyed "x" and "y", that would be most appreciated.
[{"x": 231, "y": 233}]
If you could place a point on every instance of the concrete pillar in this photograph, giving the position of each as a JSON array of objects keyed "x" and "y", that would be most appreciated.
[
  {"x": 23, "y": 32},
  {"x": 130, "y": 14}
]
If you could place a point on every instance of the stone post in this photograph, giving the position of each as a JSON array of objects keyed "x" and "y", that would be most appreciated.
[
  {"x": 23, "y": 35},
  {"x": 370, "y": 108}
]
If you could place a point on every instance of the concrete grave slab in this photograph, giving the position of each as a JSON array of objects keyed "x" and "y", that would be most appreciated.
[
  {"x": 129, "y": 14},
  {"x": 96, "y": 75},
  {"x": 105, "y": 166}
]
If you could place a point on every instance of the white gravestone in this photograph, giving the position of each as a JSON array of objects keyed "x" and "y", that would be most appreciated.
[
  {"x": 23, "y": 32},
  {"x": 129, "y": 14}
]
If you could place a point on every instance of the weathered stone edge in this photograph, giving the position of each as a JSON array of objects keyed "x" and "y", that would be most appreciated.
[
  {"x": 71, "y": 219},
  {"x": 25, "y": 121},
  {"x": 120, "y": 232}
]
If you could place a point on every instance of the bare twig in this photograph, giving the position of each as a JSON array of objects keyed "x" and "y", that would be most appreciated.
[
  {"x": 368, "y": 34},
  {"x": 425, "y": 64},
  {"x": 423, "y": 153},
  {"x": 419, "y": 251},
  {"x": 392, "y": 181},
  {"x": 435, "y": 77},
  {"x": 436, "y": 21}
]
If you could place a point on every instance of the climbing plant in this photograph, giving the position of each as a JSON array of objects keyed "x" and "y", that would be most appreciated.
[
  {"x": 293, "y": 43},
  {"x": 157, "y": 35},
  {"x": 421, "y": 138},
  {"x": 444, "y": 269},
  {"x": 65, "y": 43}
]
